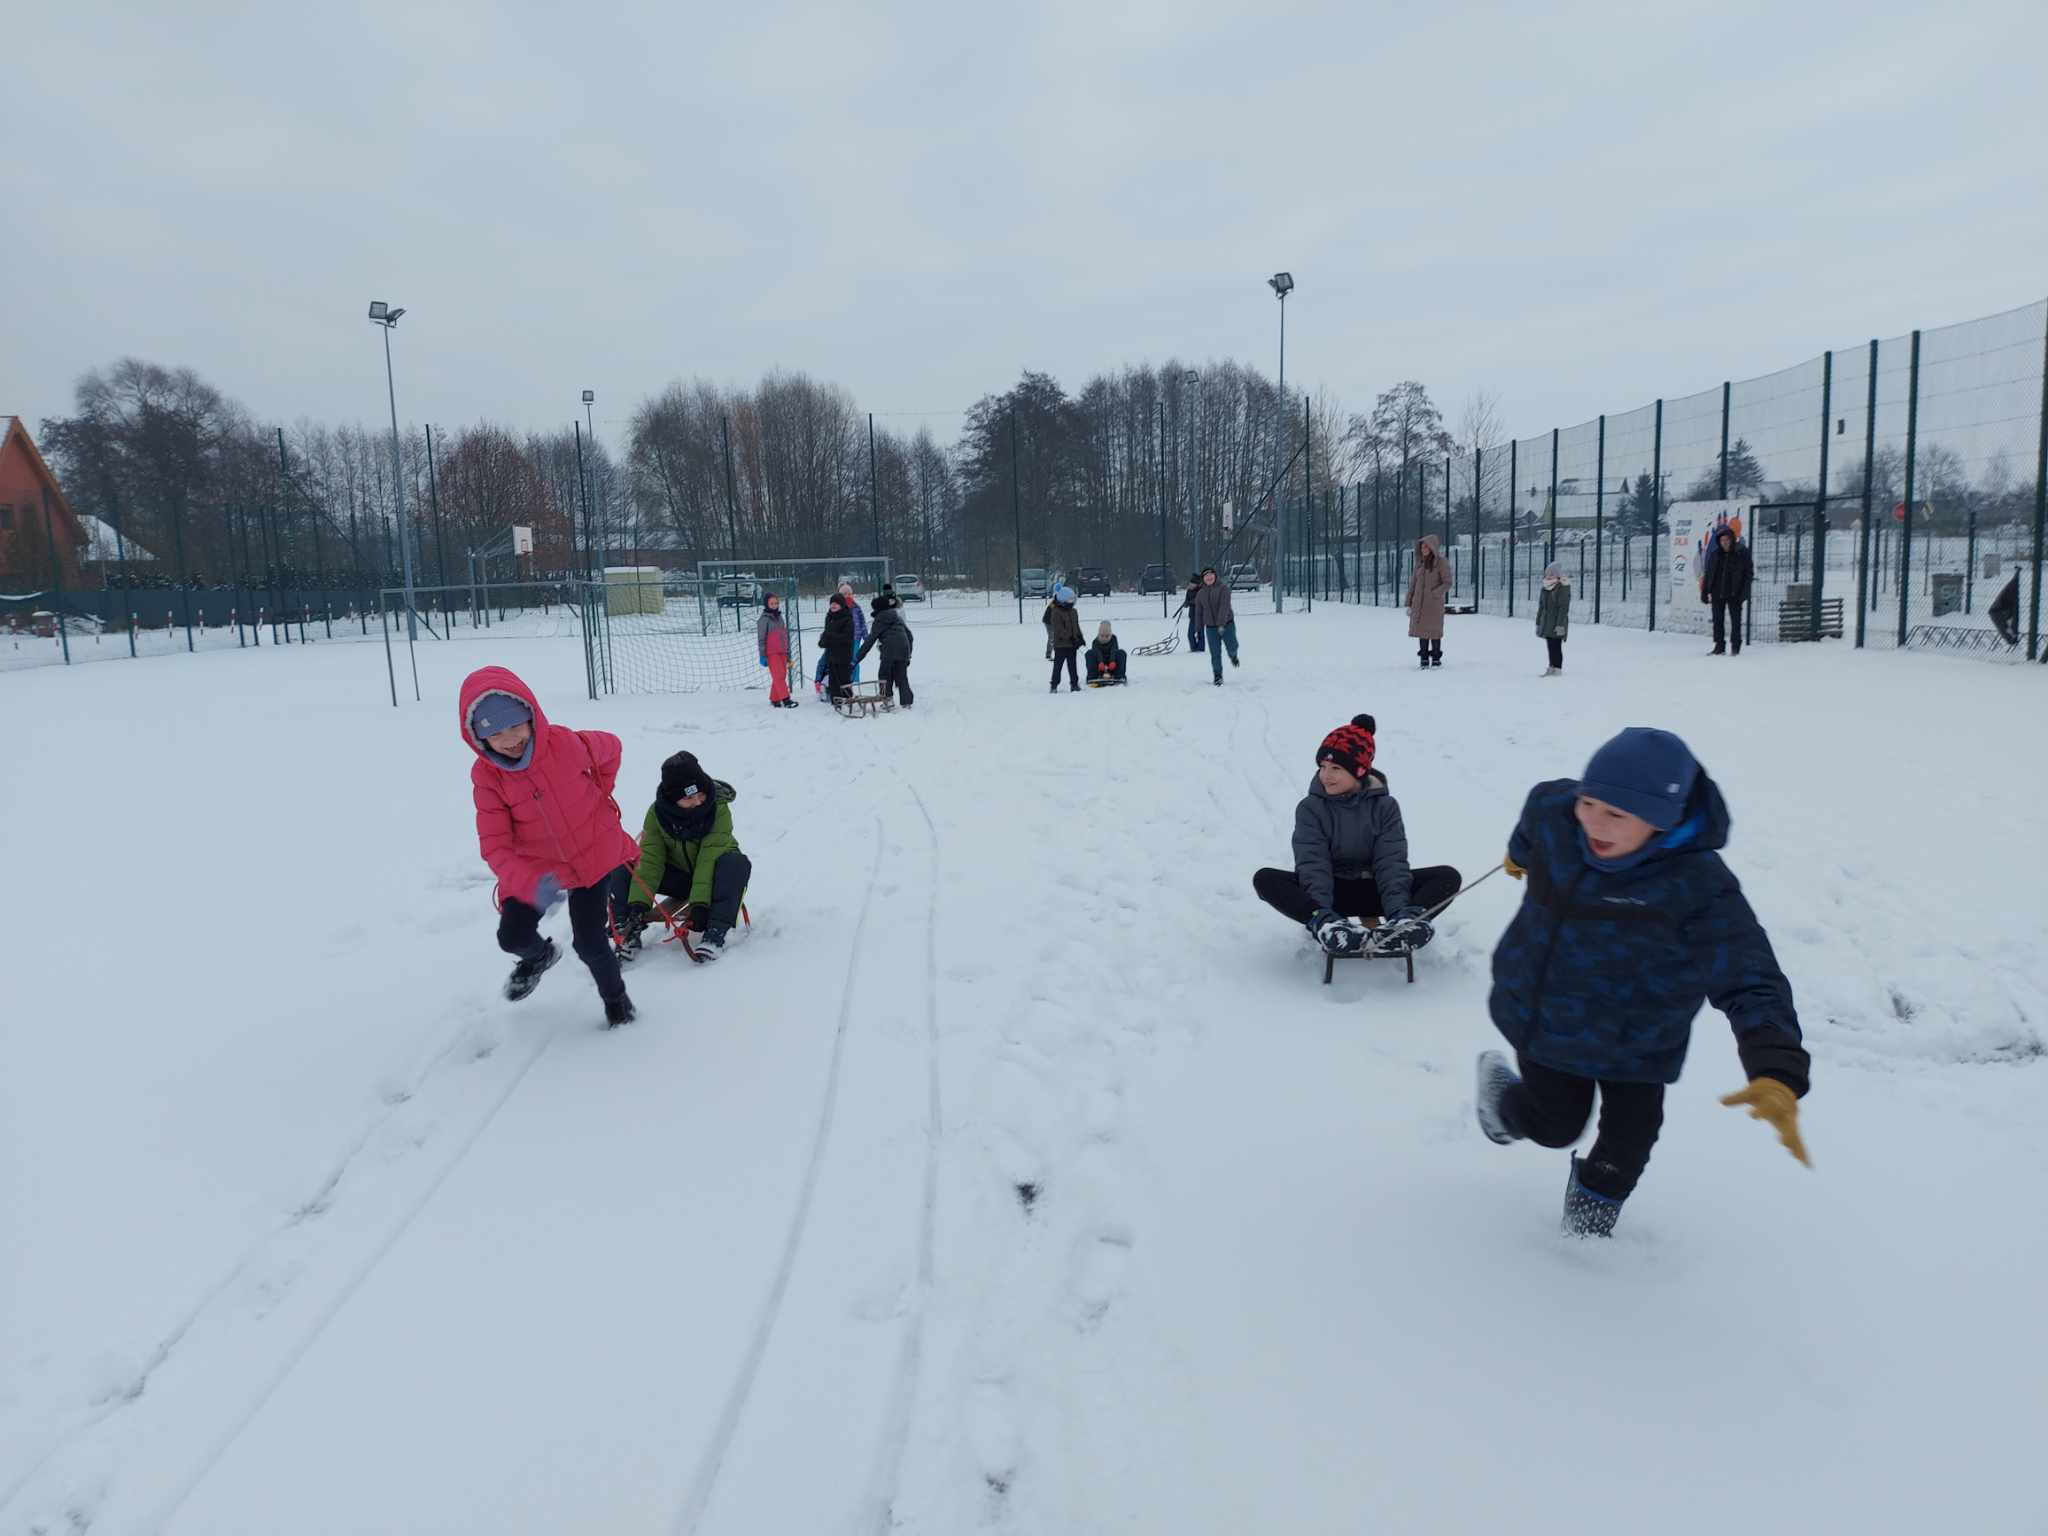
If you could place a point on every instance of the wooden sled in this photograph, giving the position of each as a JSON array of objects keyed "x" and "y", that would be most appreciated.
[{"x": 862, "y": 701}]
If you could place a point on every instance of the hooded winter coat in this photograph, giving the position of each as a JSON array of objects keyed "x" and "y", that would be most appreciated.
[
  {"x": 690, "y": 841},
  {"x": 1554, "y": 610},
  {"x": 1602, "y": 970},
  {"x": 860, "y": 619},
  {"x": 773, "y": 621},
  {"x": 891, "y": 634},
  {"x": 553, "y": 812},
  {"x": 1427, "y": 589},
  {"x": 1212, "y": 604},
  {"x": 1351, "y": 837},
  {"x": 1728, "y": 573},
  {"x": 1063, "y": 626},
  {"x": 837, "y": 634}
]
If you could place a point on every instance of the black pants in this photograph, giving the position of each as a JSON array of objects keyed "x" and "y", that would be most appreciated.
[
  {"x": 838, "y": 672},
  {"x": 1064, "y": 656},
  {"x": 1280, "y": 890},
  {"x": 729, "y": 877},
  {"x": 1724, "y": 612},
  {"x": 1556, "y": 644},
  {"x": 896, "y": 681},
  {"x": 1551, "y": 1109},
  {"x": 589, "y": 925},
  {"x": 1430, "y": 649},
  {"x": 1095, "y": 668}
]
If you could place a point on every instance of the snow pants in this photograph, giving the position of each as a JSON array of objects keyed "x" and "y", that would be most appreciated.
[
  {"x": 895, "y": 680},
  {"x": 1064, "y": 657},
  {"x": 778, "y": 670},
  {"x": 729, "y": 877},
  {"x": 589, "y": 927},
  {"x": 1219, "y": 641},
  {"x": 838, "y": 672},
  {"x": 1551, "y": 1108},
  {"x": 1280, "y": 890}
]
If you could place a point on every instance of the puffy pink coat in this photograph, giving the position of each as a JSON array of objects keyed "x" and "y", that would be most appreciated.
[{"x": 555, "y": 816}]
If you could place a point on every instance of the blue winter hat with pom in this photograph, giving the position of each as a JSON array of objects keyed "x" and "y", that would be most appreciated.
[
  {"x": 1064, "y": 594},
  {"x": 1646, "y": 772}
]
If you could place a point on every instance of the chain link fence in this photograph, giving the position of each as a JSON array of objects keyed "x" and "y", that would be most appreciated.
[{"x": 1891, "y": 494}]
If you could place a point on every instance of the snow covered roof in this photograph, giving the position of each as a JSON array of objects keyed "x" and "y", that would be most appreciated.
[{"x": 102, "y": 544}]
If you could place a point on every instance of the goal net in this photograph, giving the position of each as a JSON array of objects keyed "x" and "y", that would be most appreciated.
[{"x": 664, "y": 631}]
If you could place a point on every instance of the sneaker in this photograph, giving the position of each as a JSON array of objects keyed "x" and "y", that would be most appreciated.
[
  {"x": 1219, "y": 680},
  {"x": 618, "y": 1010},
  {"x": 526, "y": 974},
  {"x": 1494, "y": 1078},
  {"x": 711, "y": 942},
  {"x": 1233, "y": 661}
]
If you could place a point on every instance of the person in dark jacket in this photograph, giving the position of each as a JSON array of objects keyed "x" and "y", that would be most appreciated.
[
  {"x": 1554, "y": 615},
  {"x": 1630, "y": 922},
  {"x": 1107, "y": 664},
  {"x": 836, "y": 640},
  {"x": 2004, "y": 611},
  {"x": 1351, "y": 854},
  {"x": 1218, "y": 620},
  {"x": 1063, "y": 637},
  {"x": 1725, "y": 583},
  {"x": 688, "y": 855},
  {"x": 1188, "y": 602},
  {"x": 892, "y": 635}
]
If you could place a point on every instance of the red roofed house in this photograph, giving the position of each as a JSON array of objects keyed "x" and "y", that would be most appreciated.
[{"x": 33, "y": 511}]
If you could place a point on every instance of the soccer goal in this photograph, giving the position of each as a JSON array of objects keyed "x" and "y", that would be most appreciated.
[{"x": 694, "y": 631}]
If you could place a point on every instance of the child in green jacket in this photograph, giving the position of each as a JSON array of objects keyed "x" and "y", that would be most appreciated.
[{"x": 688, "y": 854}]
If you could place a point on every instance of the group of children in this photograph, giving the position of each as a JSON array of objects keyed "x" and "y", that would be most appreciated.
[
  {"x": 1108, "y": 666},
  {"x": 1630, "y": 921},
  {"x": 845, "y": 640}
]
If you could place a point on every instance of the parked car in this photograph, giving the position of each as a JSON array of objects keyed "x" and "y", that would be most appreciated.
[
  {"x": 1091, "y": 581},
  {"x": 1034, "y": 581},
  {"x": 1244, "y": 577},
  {"x": 910, "y": 589},
  {"x": 1154, "y": 579}
]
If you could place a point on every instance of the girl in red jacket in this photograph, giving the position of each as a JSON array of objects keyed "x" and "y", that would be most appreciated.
[{"x": 549, "y": 828}]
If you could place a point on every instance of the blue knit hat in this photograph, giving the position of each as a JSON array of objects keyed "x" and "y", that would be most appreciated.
[
  {"x": 1646, "y": 772},
  {"x": 496, "y": 712}
]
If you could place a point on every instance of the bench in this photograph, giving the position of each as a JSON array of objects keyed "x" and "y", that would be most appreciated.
[{"x": 1795, "y": 619}]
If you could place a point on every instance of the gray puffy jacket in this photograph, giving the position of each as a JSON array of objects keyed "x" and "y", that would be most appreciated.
[{"x": 1352, "y": 836}]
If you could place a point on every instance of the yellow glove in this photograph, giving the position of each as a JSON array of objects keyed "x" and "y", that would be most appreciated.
[
  {"x": 1769, "y": 1099},
  {"x": 1515, "y": 871}
]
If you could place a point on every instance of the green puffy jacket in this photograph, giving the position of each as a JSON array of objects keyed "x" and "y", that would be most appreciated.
[{"x": 661, "y": 850}]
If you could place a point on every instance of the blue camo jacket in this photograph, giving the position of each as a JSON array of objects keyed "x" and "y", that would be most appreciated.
[{"x": 1601, "y": 971}]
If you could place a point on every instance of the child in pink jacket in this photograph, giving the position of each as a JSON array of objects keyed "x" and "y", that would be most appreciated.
[{"x": 548, "y": 826}]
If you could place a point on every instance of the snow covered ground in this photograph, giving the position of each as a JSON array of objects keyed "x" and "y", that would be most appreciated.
[{"x": 1017, "y": 1174}]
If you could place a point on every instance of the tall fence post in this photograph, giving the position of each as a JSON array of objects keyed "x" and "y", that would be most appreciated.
[
  {"x": 2040, "y": 512},
  {"x": 1820, "y": 500},
  {"x": 1727, "y": 390},
  {"x": 1478, "y": 523},
  {"x": 1866, "y": 595},
  {"x": 1599, "y": 517},
  {"x": 1016, "y": 515},
  {"x": 1376, "y": 583},
  {"x": 1912, "y": 448},
  {"x": 1514, "y": 513},
  {"x": 1308, "y": 503},
  {"x": 1550, "y": 544},
  {"x": 1657, "y": 504}
]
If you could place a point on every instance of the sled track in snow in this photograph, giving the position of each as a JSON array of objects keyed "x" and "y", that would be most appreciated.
[
  {"x": 346, "y": 1294},
  {"x": 888, "y": 1470},
  {"x": 712, "y": 1461}
]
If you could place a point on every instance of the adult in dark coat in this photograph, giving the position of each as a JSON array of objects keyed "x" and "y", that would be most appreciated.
[
  {"x": 891, "y": 635},
  {"x": 1351, "y": 852},
  {"x": 835, "y": 639},
  {"x": 1213, "y": 611},
  {"x": 1725, "y": 583}
]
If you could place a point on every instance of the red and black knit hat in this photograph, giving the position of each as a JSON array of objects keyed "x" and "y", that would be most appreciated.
[{"x": 1350, "y": 747}]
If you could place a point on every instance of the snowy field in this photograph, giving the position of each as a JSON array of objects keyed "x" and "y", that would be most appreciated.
[{"x": 1016, "y": 1174}]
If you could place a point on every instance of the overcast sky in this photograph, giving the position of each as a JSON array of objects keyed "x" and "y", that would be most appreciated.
[{"x": 1579, "y": 209}]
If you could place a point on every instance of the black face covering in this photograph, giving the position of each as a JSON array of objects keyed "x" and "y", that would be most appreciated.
[{"x": 688, "y": 825}]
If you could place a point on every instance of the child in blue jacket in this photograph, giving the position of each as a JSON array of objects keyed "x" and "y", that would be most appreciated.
[{"x": 1630, "y": 922}]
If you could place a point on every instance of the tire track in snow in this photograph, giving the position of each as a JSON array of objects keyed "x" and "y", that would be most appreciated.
[
  {"x": 346, "y": 1294},
  {"x": 712, "y": 1460},
  {"x": 888, "y": 1471}
]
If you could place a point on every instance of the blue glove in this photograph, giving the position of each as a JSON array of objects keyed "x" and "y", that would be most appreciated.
[
  {"x": 548, "y": 893},
  {"x": 764, "y": 659}
]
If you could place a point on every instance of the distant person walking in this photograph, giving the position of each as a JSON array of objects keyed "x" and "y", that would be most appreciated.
[
  {"x": 1218, "y": 621},
  {"x": 1554, "y": 614},
  {"x": 1428, "y": 588}
]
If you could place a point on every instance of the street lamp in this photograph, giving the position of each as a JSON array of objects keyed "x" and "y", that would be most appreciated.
[
  {"x": 1282, "y": 284},
  {"x": 590, "y": 431},
  {"x": 387, "y": 316},
  {"x": 1191, "y": 381}
]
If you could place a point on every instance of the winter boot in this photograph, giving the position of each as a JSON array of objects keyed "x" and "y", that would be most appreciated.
[
  {"x": 711, "y": 943},
  {"x": 618, "y": 1010},
  {"x": 1586, "y": 1213},
  {"x": 526, "y": 974},
  {"x": 1495, "y": 1078}
]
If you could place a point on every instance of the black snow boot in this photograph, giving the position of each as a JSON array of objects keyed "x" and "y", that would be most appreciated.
[
  {"x": 618, "y": 1010},
  {"x": 711, "y": 943},
  {"x": 1495, "y": 1078},
  {"x": 1587, "y": 1213},
  {"x": 526, "y": 974}
]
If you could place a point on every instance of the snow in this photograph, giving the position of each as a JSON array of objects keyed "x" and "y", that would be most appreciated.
[{"x": 310, "y": 1232}]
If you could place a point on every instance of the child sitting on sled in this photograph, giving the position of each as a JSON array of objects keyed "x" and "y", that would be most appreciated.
[
  {"x": 1351, "y": 855},
  {"x": 1106, "y": 660},
  {"x": 689, "y": 856}
]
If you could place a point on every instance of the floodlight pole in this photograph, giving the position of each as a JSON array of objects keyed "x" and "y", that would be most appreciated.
[{"x": 412, "y": 630}]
